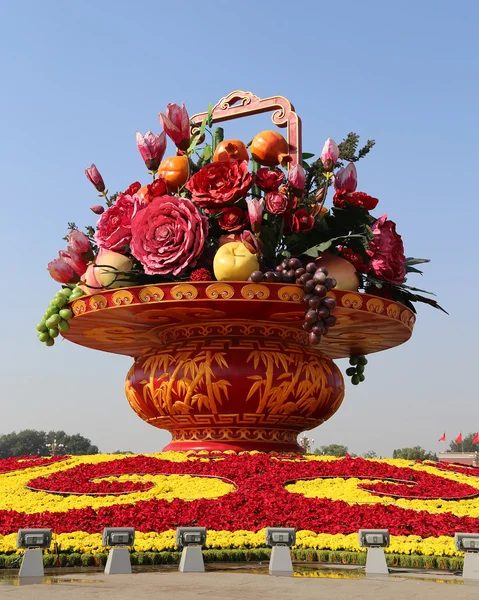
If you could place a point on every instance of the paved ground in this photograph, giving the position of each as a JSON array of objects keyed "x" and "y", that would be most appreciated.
[{"x": 237, "y": 586}]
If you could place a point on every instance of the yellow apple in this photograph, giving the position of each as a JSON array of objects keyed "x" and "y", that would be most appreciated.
[{"x": 234, "y": 262}]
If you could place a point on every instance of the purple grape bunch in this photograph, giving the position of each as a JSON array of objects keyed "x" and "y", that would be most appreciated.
[{"x": 316, "y": 284}]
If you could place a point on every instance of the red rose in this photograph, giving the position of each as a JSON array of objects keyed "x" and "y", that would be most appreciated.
[
  {"x": 168, "y": 236},
  {"x": 113, "y": 230},
  {"x": 134, "y": 187},
  {"x": 299, "y": 222},
  {"x": 276, "y": 203},
  {"x": 343, "y": 199},
  {"x": 387, "y": 252},
  {"x": 355, "y": 259},
  {"x": 233, "y": 219},
  {"x": 220, "y": 183},
  {"x": 304, "y": 219},
  {"x": 268, "y": 180},
  {"x": 158, "y": 188}
]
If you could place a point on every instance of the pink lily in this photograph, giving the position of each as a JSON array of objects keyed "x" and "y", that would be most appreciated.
[
  {"x": 62, "y": 272},
  {"x": 330, "y": 154},
  {"x": 94, "y": 176},
  {"x": 176, "y": 124},
  {"x": 152, "y": 148},
  {"x": 255, "y": 212},
  {"x": 346, "y": 178},
  {"x": 297, "y": 177}
]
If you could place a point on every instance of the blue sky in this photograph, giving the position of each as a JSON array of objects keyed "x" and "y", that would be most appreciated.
[{"x": 78, "y": 79}]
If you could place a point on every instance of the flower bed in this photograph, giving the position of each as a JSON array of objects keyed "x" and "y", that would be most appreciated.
[{"x": 236, "y": 497}]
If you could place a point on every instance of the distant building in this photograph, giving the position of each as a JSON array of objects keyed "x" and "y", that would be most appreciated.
[{"x": 471, "y": 459}]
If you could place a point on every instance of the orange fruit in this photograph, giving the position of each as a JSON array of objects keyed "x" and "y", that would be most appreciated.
[
  {"x": 230, "y": 149},
  {"x": 269, "y": 148},
  {"x": 175, "y": 171}
]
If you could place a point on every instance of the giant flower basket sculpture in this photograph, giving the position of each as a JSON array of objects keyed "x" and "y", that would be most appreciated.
[{"x": 231, "y": 283}]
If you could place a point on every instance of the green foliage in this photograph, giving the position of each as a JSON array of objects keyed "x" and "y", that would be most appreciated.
[
  {"x": 466, "y": 445},
  {"x": 415, "y": 453},
  {"x": 370, "y": 454},
  {"x": 30, "y": 442},
  {"x": 331, "y": 450}
]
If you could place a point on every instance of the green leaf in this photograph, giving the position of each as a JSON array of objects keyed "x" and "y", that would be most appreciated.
[
  {"x": 203, "y": 126},
  {"x": 207, "y": 153},
  {"x": 416, "y": 261},
  {"x": 305, "y": 165},
  {"x": 413, "y": 289},
  {"x": 413, "y": 270},
  {"x": 210, "y": 114},
  {"x": 307, "y": 155}
]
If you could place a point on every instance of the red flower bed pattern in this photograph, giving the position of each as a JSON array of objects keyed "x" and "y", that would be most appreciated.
[{"x": 261, "y": 499}]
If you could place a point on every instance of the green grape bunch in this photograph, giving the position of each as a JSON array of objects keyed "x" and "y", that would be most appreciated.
[
  {"x": 356, "y": 370},
  {"x": 55, "y": 320}
]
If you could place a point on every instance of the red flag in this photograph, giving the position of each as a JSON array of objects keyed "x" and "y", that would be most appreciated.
[
  {"x": 443, "y": 438},
  {"x": 458, "y": 440},
  {"x": 475, "y": 439}
]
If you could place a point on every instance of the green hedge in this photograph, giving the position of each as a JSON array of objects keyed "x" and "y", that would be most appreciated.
[{"x": 74, "y": 559}]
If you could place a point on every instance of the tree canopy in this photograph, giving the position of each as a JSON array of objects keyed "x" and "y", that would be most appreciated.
[
  {"x": 331, "y": 450},
  {"x": 466, "y": 445},
  {"x": 32, "y": 442},
  {"x": 414, "y": 453}
]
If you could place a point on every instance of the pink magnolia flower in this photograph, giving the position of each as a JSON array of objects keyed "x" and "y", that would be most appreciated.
[
  {"x": 152, "y": 148},
  {"x": 176, "y": 124},
  {"x": 387, "y": 252},
  {"x": 330, "y": 154},
  {"x": 297, "y": 177},
  {"x": 251, "y": 242},
  {"x": 255, "y": 211},
  {"x": 113, "y": 230},
  {"x": 97, "y": 209},
  {"x": 94, "y": 176},
  {"x": 346, "y": 178},
  {"x": 79, "y": 242},
  {"x": 61, "y": 271},
  {"x": 75, "y": 260},
  {"x": 168, "y": 236}
]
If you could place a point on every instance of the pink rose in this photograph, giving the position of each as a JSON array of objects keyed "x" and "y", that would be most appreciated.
[
  {"x": 387, "y": 252},
  {"x": 168, "y": 236},
  {"x": 276, "y": 203},
  {"x": 113, "y": 230}
]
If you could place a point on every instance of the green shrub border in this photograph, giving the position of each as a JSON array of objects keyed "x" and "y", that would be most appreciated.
[{"x": 75, "y": 559}]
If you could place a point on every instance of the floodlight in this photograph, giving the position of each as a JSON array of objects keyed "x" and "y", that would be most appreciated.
[
  {"x": 34, "y": 538},
  {"x": 466, "y": 542},
  {"x": 190, "y": 536},
  {"x": 373, "y": 538},
  {"x": 281, "y": 538},
  {"x": 118, "y": 536}
]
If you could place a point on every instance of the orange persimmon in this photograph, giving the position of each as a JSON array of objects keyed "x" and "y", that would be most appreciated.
[
  {"x": 175, "y": 171},
  {"x": 230, "y": 149},
  {"x": 269, "y": 148}
]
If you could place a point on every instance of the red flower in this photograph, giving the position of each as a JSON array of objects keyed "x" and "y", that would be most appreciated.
[
  {"x": 276, "y": 203},
  {"x": 159, "y": 187},
  {"x": 113, "y": 230},
  {"x": 387, "y": 252},
  {"x": 220, "y": 183},
  {"x": 299, "y": 222},
  {"x": 131, "y": 191},
  {"x": 233, "y": 219},
  {"x": 268, "y": 180},
  {"x": 304, "y": 219},
  {"x": 201, "y": 275},
  {"x": 343, "y": 199},
  {"x": 354, "y": 258},
  {"x": 168, "y": 236}
]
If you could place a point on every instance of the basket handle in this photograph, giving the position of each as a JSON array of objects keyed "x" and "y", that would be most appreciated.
[{"x": 240, "y": 104}]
